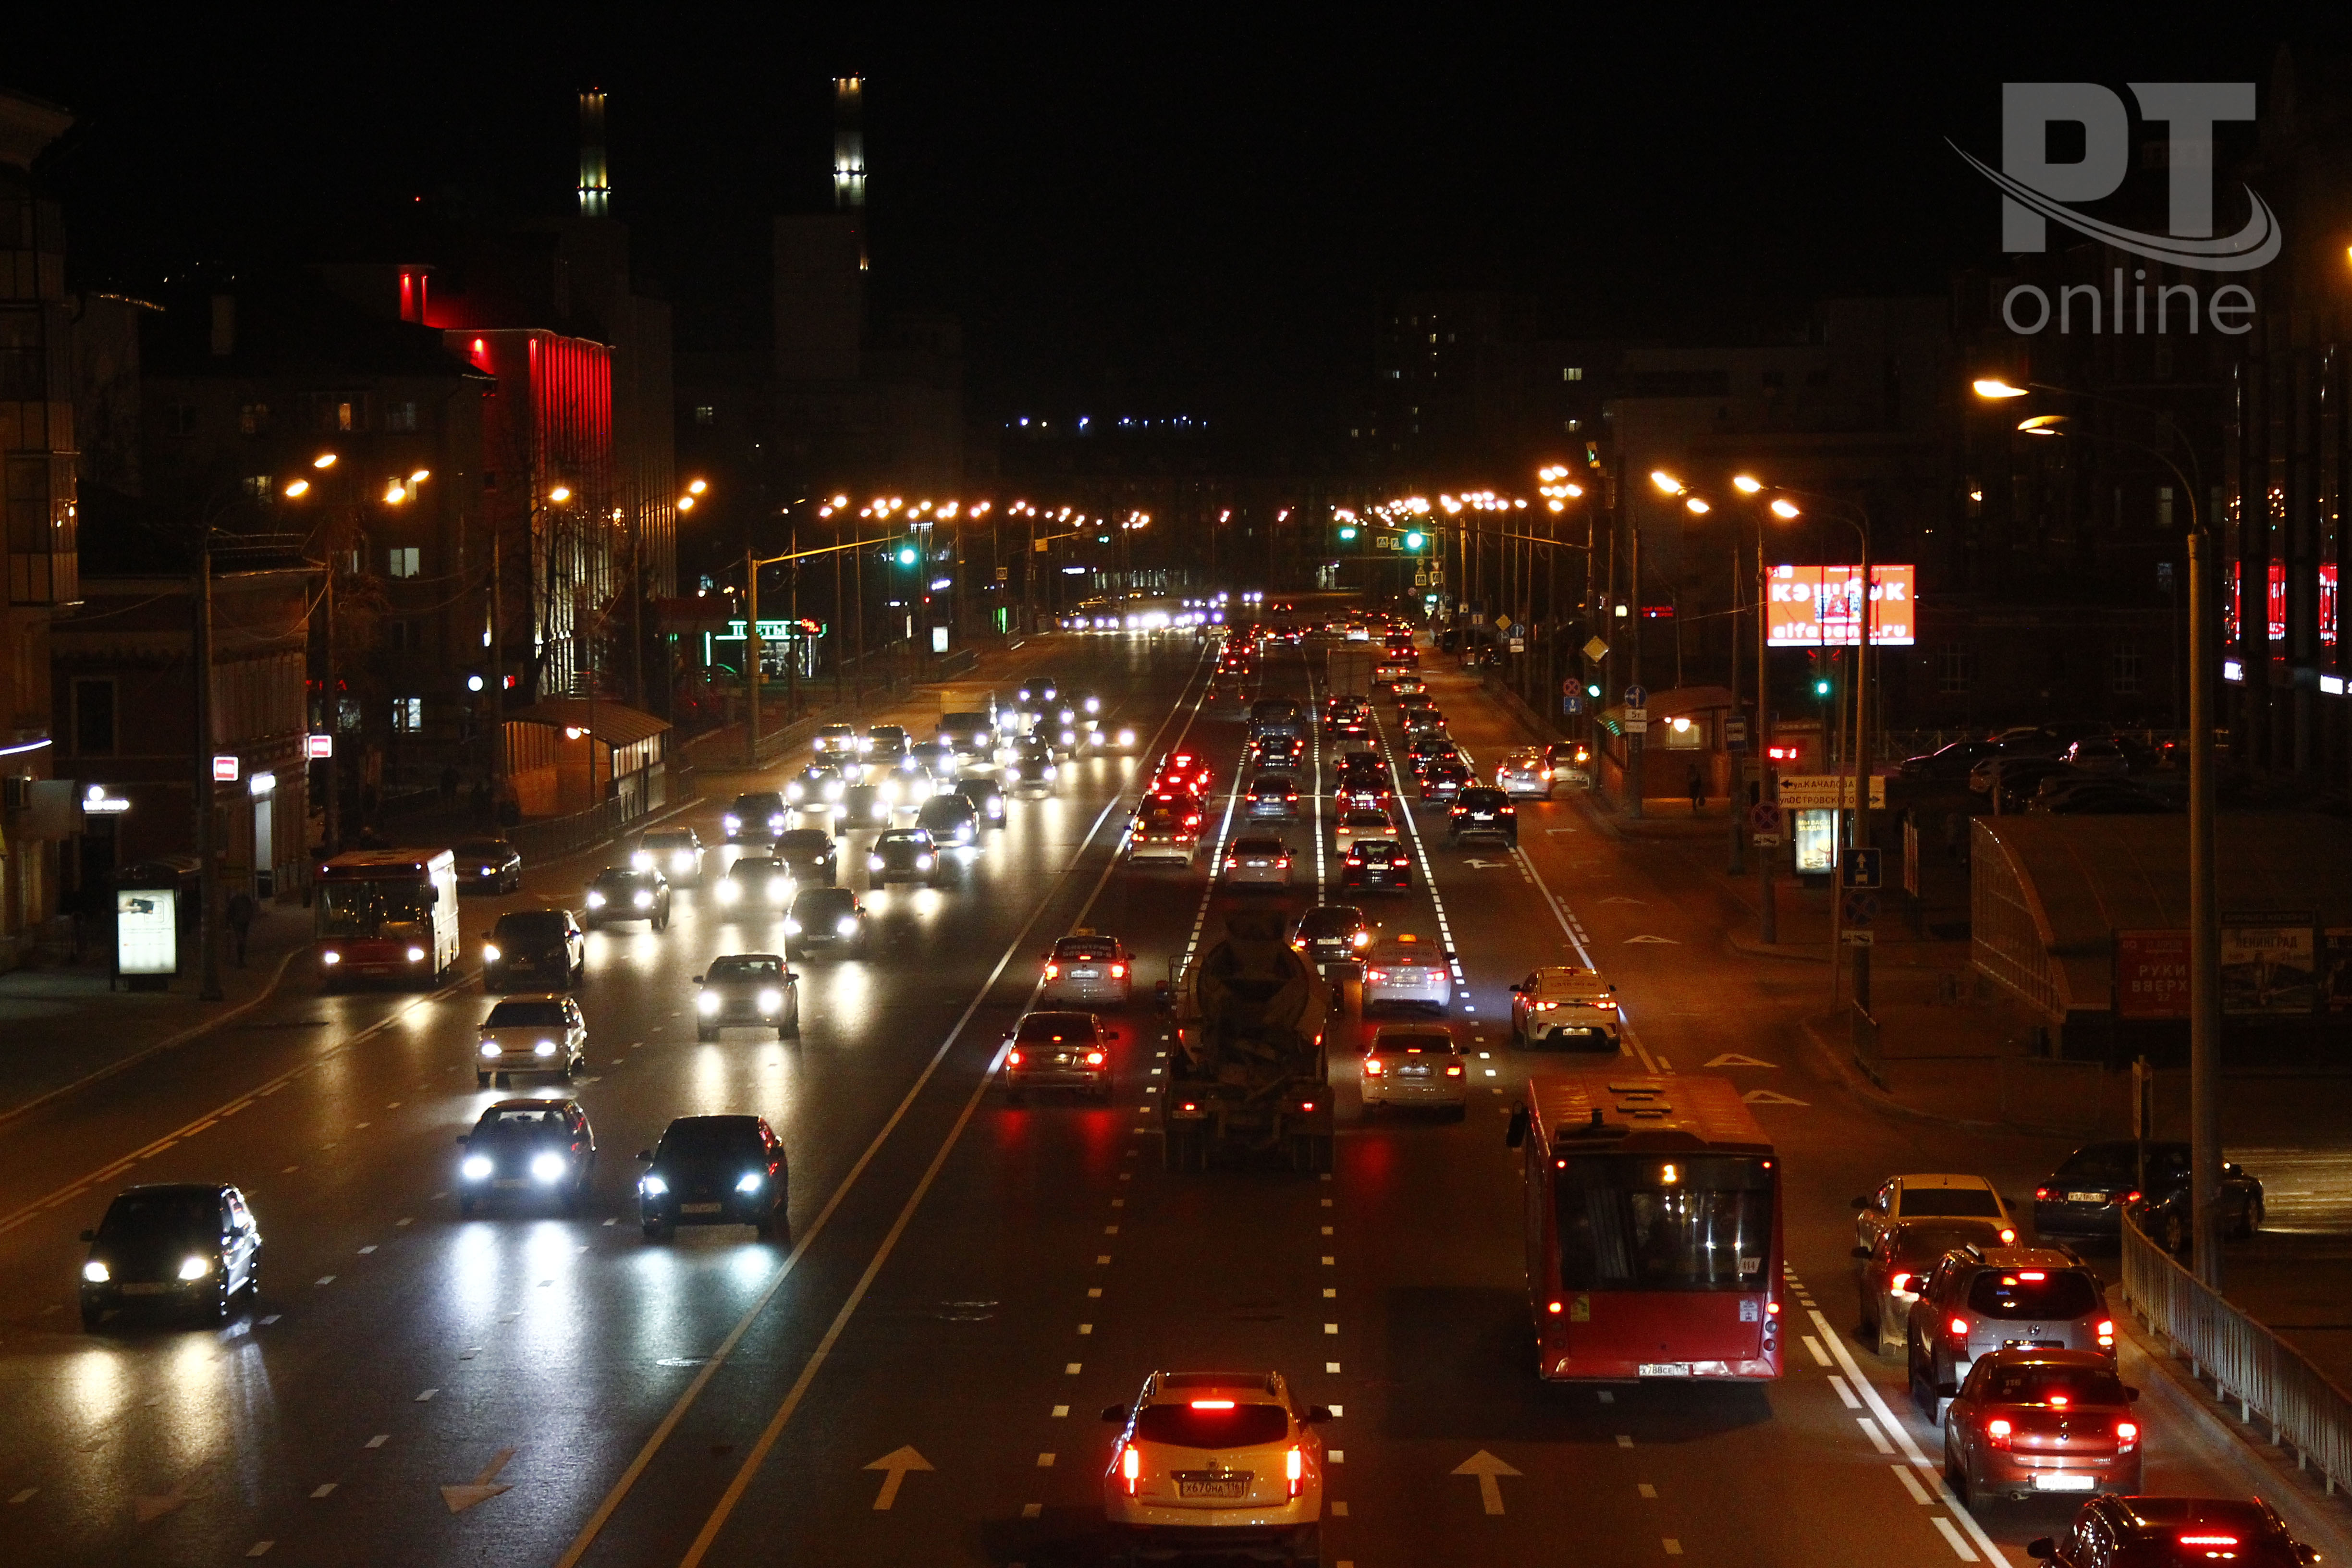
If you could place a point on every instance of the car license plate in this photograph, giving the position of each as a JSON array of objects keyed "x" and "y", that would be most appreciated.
[
  {"x": 1665, "y": 1369},
  {"x": 1412, "y": 1072},
  {"x": 2086, "y": 1197},
  {"x": 2064, "y": 1481},
  {"x": 699, "y": 1209},
  {"x": 508, "y": 1182},
  {"x": 143, "y": 1288},
  {"x": 1254, "y": 865},
  {"x": 1213, "y": 1485},
  {"x": 1085, "y": 973}
]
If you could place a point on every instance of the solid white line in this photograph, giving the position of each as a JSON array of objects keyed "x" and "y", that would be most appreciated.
[{"x": 1902, "y": 1436}]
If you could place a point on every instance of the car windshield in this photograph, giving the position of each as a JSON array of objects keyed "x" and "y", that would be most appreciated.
[
  {"x": 746, "y": 966},
  {"x": 1365, "y": 819},
  {"x": 2046, "y": 1295},
  {"x": 1972, "y": 1203},
  {"x": 1918, "y": 1244},
  {"x": 482, "y": 849},
  {"x": 697, "y": 1138},
  {"x": 1635, "y": 1222},
  {"x": 904, "y": 838},
  {"x": 666, "y": 839},
  {"x": 1260, "y": 846},
  {"x": 2097, "y": 1162},
  {"x": 524, "y": 927},
  {"x": 1086, "y": 947},
  {"x": 365, "y": 909},
  {"x": 1339, "y": 920},
  {"x": 806, "y": 841},
  {"x": 533, "y": 1122},
  {"x": 752, "y": 866},
  {"x": 620, "y": 877},
  {"x": 192, "y": 1215},
  {"x": 2035, "y": 1383},
  {"x": 1047, "y": 1029},
  {"x": 525, "y": 1016},
  {"x": 1212, "y": 1424},
  {"x": 1373, "y": 848}
]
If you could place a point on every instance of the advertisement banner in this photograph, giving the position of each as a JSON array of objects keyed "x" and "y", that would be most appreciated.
[
  {"x": 2336, "y": 969},
  {"x": 2151, "y": 974},
  {"x": 2268, "y": 971},
  {"x": 1820, "y": 606},
  {"x": 146, "y": 931}
]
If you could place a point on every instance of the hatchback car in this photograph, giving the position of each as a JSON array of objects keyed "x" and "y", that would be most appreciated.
[
  {"x": 180, "y": 1247},
  {"x": 677, "y": 853},
  {"x": 624, "y": 893},
  {"x": 1416, "y": 1065},
  {"x": 986, "y": 798},
  {"x": 1565, "y": 1005},
  {"x": 904, "y": 854},
  {"x": 1028, "y": 764},
  {"x": 714, "y": 1170},
  {"x": 818, "y": 787},
  {"x": 1523, "y": 776},
  {"x": 756, "y": 817},
  {"x": 1444, "y": 778},
  {"x": 1333, "y": 934},
  {"x": 2174, "y": 1533},
  {"x": 1570, "y": 763},
  {"x": 1273, "y": 797},
  {"x": 545, "y": 1033},
  {"x": 537, "y": 947},
  {"x": 1256, "y": 861},
  {"x": 1053, "y": 1049},
  {"x": 755, "y": 885},
  {"x": 1478, "y": 812},
  {"x": 487, "y": 866},
  {"x": 751, "y": 990},
  {"x": 950, "y": 820},
  {"x": 1405, "y": 972},
  {"x": 1087, "y": 967},
  {"x": 2086, "y": 1196},
  {"x": 526, "y": 1148},
  {"x": 808, "y": 854},
  {"x": 1889, "y": 1273},
  {"x": 1979, "y": 1300},
  {"x": 1930, "y": 1197},
  {"x": 1357, "y": 823},
  {"x": 1216, "y": 1463},
  {"x": 1376, "y": 865},
  {"x": 1166, "y": 826},
  {"x": 827, "y": 917},
  {"x": 2041, "y": 1421}
]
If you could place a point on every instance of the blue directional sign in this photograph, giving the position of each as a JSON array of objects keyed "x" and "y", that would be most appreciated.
[
  {"x": 1637, "y": 697},
  {"x": 1859, "y": 869}
]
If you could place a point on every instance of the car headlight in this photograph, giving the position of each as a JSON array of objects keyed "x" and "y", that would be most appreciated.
[
  {"x": 489, "y": 1047},
  {"x": 651, "y": 1185},
  {"x": 793, "y": 791},
  {"x": 682, "y": 861},
  {"x": 643, "y": 860},
  {"x": 1012, "y": 771},
  {"x": 770, "y": 1000},
  {"x": 995, "y": 806},
  {"x": 643, "y": 900},
  {"x": 1127, "y": 737},
  {"x": 194, "y": 1268},
  {"x": 731, "y": 821},
  {"x": 548, "y": 1167},
  {"x": 595, "y": 900},
  {"x": 96, "y": 1272},
  {"x": 922, "y": 862},
  {"x": 415, "y": 955},
  {"x": 751, "y": 1182},
  {"x": 706, "y": 1003},
  {"x": 330, "y": 956},
  {"x": 791, "y": 927},
  {"x": 1094, "y": 704},
  {"x": 490, "y": 952},
  {"x": 544, "y": 1048},
  {"x": 874, "y": 862},
  {"x": 476, "y": 1168},
  {"x": 728, "y": 891},
  {"x": 779, "y": 890},
  {"x": 846, "y": 925},
  {"x": 775, "y": 819}
]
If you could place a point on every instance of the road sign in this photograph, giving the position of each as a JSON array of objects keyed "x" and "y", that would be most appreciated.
[
  {"x": 1637, "y": 719},
  {"x": 1420, "y": 579},
  {"x": 1860, "y": 908},
  {"x": 1860, "y": 868},
  {"x": 1637, "y": 697},
  {"x": 1503, "y": 622},
  {"x": 1826, "y": 792},
  {"x": 1596, "y": 651},
  {"x": 1573, "y": 702},
  {"x": 1004, "y": 573},
  {"x": 1437, "y": 576},
  {"x": 1764, "y": 816},
  {"x": 1489, "y": 1469},
  {"x": 1735, "y": 732},
  {"x": 1765, "y": 840},
  {"x": 1519, "y": 644},
  {"x": 1860, "y": 936}
]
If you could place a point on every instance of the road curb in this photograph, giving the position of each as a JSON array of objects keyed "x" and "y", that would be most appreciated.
[
  {"x": 1833, "y": 1054},
  {"x": 1754, "y": 949}
]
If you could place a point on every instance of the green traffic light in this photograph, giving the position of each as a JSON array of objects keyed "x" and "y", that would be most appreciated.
[
  {"x": 1593, "y": 690},
  {"x": 1346, "y": 534},
  {"x": 1415, "y": 540},
  {"x": 907, "y": 556},
  {"x": 1820, "y": 688}
]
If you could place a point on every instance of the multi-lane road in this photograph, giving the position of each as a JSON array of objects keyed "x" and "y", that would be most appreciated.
[{"x": 914, "y": 1374}]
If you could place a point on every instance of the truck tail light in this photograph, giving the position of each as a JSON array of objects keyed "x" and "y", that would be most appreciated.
[
  {"x": 1997, "y": 1432},
  {"x": 1553, "y": 1307}
]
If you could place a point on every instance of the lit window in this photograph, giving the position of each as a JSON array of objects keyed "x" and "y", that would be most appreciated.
[
  {"x": 400, "y": 561},
  {"x": 253, "y": 419},
  {"x": 704, "y": 413},
  {"x": 400, "y": 416},
  {"x": 262, "y": 488},
  {"x": 2164, "y": 506},
  {"x": 408, "y": 714},
  {"x": 346, "y": 416},
  {"x": 1571, "y": 373}
]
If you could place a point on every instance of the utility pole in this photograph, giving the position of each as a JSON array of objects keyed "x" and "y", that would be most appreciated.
[
  {"x": 2204, "y": 926},
  {"x": 330, "y": 707},
  {"x": 497, "y": 681},
  {"x": 859, "y": 572},
  {"x": 1634, "y": 738},
  {"x": 1767, "y": 786},
  {"x": 1738, "y": 839},
  {"x": 1861, "y": 764},
  {"x": 208, "y": 872},
  {"x": 793, "y": 640},
  {"x": 752, "y": 656}
]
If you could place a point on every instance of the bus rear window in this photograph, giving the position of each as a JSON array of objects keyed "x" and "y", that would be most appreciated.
[
  {"x": 1639, "y": 1222},
  {"x": 2041, "y": 1294}
]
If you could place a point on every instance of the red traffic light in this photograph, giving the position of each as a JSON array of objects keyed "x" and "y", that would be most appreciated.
[{"x": 1781, "y": 754}]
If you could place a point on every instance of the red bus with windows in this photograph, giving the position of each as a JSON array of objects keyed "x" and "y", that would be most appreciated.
[
  {"x": 1652, "y": 1228},
  {"x": 386, "y": 914}
]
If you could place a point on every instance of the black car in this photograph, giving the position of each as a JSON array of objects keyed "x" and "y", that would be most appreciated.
[
  {"x": 524, "y": 1149},
  {"x": 2174, "y": 1533},
  {"x": 756, "y": 818},
  {"x": 1333, "y": 934},
  {"x": 1028, "y": 764},
  {"x": 714, "y": 1170},
  {"x": 2086, "y": 1196},
  {"x": 986, "y": 798},
  {"x": 810, "y": 855},
  {"x": 1376, "y": 863},
  {"x": 1952, "y": 761},
  {"x": 180, "y": 1247},
  {"x": 949, "y": 819},
  {"x": 1276, "y": 752},
  {"x": 1038, "y": 689},
  {"x": 1482, "y": 812},
  {"x": 534, "y": 950},
  {"x": 487, "y": 866},
  {"x": 1444, "y": 779},
  {"x": 625, "y": 893},
  {"x": 827, "y": 917},
  {"x": 1273, "y": 796},
  {"x": 904, "y": 854}
]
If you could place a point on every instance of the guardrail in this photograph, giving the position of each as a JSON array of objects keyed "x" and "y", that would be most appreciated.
[
  {"x": 540, "y": 842},
  {"x": 2245, "y": 1361}
]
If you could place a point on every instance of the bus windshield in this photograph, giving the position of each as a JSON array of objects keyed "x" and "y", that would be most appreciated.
[
  {"x": 365, "y": 909},
  {"x": 1643, "y": 1222}
]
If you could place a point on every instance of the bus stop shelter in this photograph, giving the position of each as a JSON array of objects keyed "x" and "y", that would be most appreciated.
[{"x": 568, "y": 754}]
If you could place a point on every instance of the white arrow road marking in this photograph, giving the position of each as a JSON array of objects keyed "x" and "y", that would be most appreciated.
[
  {"x": 893, "y": 1466},
  {"x": 1660, "y": 940},
  {"x": 482, "y": 1488},
  {"x": 1733, "y": 1059},
  {"x": 1477, "y": 864},
  {"x": 1487, "y": 1468},
  {"x": 1767, "y": 1097}
]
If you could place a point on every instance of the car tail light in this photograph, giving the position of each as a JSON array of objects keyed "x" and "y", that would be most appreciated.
[
  {"x": 1400, "y": 862},
  {"x": 1118, "y": 972},
  {"x": 2007, "y": 1236},
  {"x": 1213, "y": 1404},
  {"x": 1453, "y": 1069},
  {"x": 1361, "y": 939},
  {"x": 1294, "y": 1465},
  {"x": 2207, "y": 1537},
  {"x": 1896, "y": 1282},
  {"x": 1553, "y": 1307},
  {"x": 1373, "y": 1067},
  {"x": 1053, "y": 971},
  {"x": 2042, "y": 1194},
  {"x": 2060, "y": 1401},
  {"x": 1232, "y": 860},
  {"x": 2126, "y": 1197},
  {"x": 1012, "y": 1059},
  {"x": 2031, "y": 1274},
  {"x": 1305, "y": 1105},
  {"x": 2106, "y": 1333},
  {"x": 1997, "y": 1432},
  {"x": 2127, "y": 1434},
  {"x": 1375, "y": 975},
  {"x": 1284, "y": 861},
  {"x": 1958, "y": 1327},
  {"x": 1130, "y": 1466},
  {"x": 1094, "y": 1058}
]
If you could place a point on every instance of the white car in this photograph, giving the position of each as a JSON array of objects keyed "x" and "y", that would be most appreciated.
[
  {"x": 1523, "y": 776},
  {"x": 1252, "y": 861},
  {"x": 1217, "y": 1462},
  {"x": 754, "y": 885},
  {"x": 676, "y": 852},
  {"x": 1930, "y": 1197},
  {"x": 1563, "y": 1003},
  {"x": 837, "y": 741},
  {"x": 1405, "y": 972},
  {"x": 1361, "y": 822},
  {"x": 537, "y": 1032},
  {"x": 1087, "y": 969},
  {"x": 1415, "y": 1064}
]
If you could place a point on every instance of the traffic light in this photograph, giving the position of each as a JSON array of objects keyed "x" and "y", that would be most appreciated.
[
  {"x": 1416, "y": 540},
  {"x": 1347, "y": 534},
  {"x": 1592, "y": 689},
  {"x": 1821, "y": 687},
  {"x": 907, "y": 555}
]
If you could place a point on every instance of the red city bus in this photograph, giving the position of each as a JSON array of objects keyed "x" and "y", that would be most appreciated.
[
  {"x": 387, "y": 914},
  {"x": 1652, "y": 1228}
]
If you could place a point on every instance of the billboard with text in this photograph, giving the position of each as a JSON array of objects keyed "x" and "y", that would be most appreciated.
[{"x": 1820, "y": 606}]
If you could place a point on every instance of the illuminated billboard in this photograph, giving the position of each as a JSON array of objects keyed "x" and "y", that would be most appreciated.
[{"x": 1820, "y": 606}]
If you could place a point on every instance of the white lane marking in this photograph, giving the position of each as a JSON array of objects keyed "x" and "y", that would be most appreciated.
[
  {"x": 1911, "y": 1484},
  {"x": 260, "y": 1549},
  {"x": 1646, "y": 1490},
  {"x": 378, "y": 1441},
  {"x": 1733, "y": 1059},
  {"x": 1902, "y": 1436},
  {"x": 1959, "y": 1546},
  {"x": 1846, "y": 1394},
  {"x": 326, "y": 1489},
  {"x": 24, "y": 1496},
  {"x": 1061, "y": 1412},
  {"x": 1770, "y": 1097},
  {"x": 426, "y": 1396},
  {"x": 1877, "y": 1438}
]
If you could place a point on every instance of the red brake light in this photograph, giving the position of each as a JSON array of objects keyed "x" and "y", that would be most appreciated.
[
  {"x": 1118, "y": 972},
  {"x": 1401, "y": 862},
  {"x": 1130, "y": 1466},
  {"x": 1295, "y": 1465},
  {"x": 1053, "y": 971},
  {"x": 2129, "y": 1199},
  {"x": 1553, "y": 1308},
  {"x": 1013, "y": 1057},
  {"x": 2059, "y": 1400},
  {"x": 2042, "y": 1194},
  {"x": 1213, "y": 1404},
  {"x": 2007, "y": 1236},
  {"x": 1453, "y": 1069},
  {"x": 1094, "y": 1058},
  {"x": 1959, "y": 1328},
  {"x": 1896, "y": 1282},
  {"x": 1373, "y": 1067},
  {"x": 2209, "y": 1540},
  {"x": 1997, "y": 1432},
  {"x": 2031, "y": 1274},
  {"x": 2127, "y": 1432}
]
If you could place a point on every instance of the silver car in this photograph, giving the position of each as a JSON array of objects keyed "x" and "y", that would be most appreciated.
[
  {"x": 676, "y": 852},
  {"x": 539, "y": 1032},
  {"x": 1257, "y": 862},
  {"x": 1088, "y": 969},
  {"x": 1405, "y": 972},
  {"x": 1523, "y": 776},
  {"x": 1360, "y": 822},
  {"x": 1415, "y": 1064}
]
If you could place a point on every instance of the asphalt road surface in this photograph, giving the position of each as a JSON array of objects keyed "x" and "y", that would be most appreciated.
[{"x": 913, "y": 1376}]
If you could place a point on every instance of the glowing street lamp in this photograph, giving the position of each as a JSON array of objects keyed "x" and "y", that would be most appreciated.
[
  {"x": 1993, "y": 386},
  {"x": 297, "y": 488},
  {"x": 559, "y": 494},
  {"x": 323, "y": 460}
]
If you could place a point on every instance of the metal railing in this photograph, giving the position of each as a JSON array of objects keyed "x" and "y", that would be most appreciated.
[
  {"x": 541, "y": 842},
  {"x": 2246, "y": 1362}
]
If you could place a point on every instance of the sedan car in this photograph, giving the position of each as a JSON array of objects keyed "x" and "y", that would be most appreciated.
[
  {"x": 1930, "y": 1197},
  {"x": 537, "y": 947},
  {"x": 714, "y": 1170},
  {"x": 1416, "y": 1065},
  {"x": 676, "y": 852},
  {"x": 756, "y": 817},
  {"x": 1272, "y": 798},
  {"x": 1564, "y": 1004},
  {"x": 818, "y": 787},
  {"x": 545, "y": 1033},
  {"x": 986, "y": 798},
  {"x": 904, "y": 854},
  {"x": 2103, "y": 756},
  {"x": 1405, "y": 972},
  {"x": 885, "y": 745},
  {"x": 1444, "y": 778},
  {"x": 1277, "y": 754},
  {"x": 1216, "y": 1463},
  {"x": 1478, "y": 812},
  {"x": 1570, "y": 763},
  {"x": 2175, "y": 1532},
  {"x": 808, "y": 854},
  {"x": 1523, "y": 776},
  {"x": 487, "y": 866},
  {"x": 1054, "y": 1050},
  {"x": 2086, "y": 1196},
  {"x": 1358, "y": 822},
  {"x": 522, "y": 1149},
  {"x": 2029, "y": 1421},
  {"x": 1086, "y": 967},
  {"x": 753, "y": 990},
  {"x": 180, "y": 1247},
  {"x": 1333, "y": 934},
  {"x": 950, "y": 820},
  {"x": 755, "y": 885},
  {"x": 1376, "y": 863},
  {"x": 1889, "y": 1273},
  {"x": 624, "y": 893},
  {"x": 1256, "y": 862},
  {"x": 1028, "y": 764},
  {"x": 827, "y": 917},
  {"x": 1949, "y": 762}
]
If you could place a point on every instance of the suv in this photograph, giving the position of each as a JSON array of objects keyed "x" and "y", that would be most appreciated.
[
  {"x": 835, "y": 740},
  {"x": 2162, "y": 1532},
  {"x": 1979, "y": 1300},
  {"x": 756, "y": 816},
  {"x": 1478, "y": 812},
  {"x": 537, "y": 947},
  {"x": 1217, "y": 1462}
]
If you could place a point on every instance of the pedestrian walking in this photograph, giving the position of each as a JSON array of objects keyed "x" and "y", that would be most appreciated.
[
  {"x": 1697, "y": 785},
  {"x": 240, "y": 921}
]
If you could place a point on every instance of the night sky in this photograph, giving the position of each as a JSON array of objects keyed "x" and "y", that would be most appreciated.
[{"x": 1162, "y": 214}]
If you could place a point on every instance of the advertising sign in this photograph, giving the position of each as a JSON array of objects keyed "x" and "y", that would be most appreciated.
[
  {"x": 2336, "y": 969},
  {"x": 1820, "y": 606},
  {"x": 1816, "y": 836},
  {"x": 2151, "y": 974},
  {"x": 146, "y": 931},
  {"x": 2268, "y": 971}
]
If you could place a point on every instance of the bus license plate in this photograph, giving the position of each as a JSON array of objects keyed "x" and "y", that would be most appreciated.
[
  {"x": 2061, "y": 1481},
  {"x": 1665, "y": 1369}
]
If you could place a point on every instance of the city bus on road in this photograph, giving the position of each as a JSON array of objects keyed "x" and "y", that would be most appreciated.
[
  {"x": 1652, "y": 1228},
  {"x": 387, "y": 914}
]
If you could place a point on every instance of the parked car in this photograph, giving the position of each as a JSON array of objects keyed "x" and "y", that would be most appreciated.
[
  {"x": 1951, "y": 762},
  {"x": 487, "y": 866},
  {"x": 2086, "y": 1196},
  {"x": 2105, "y": 797},
  {"x": 2099, "y": 756}
]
